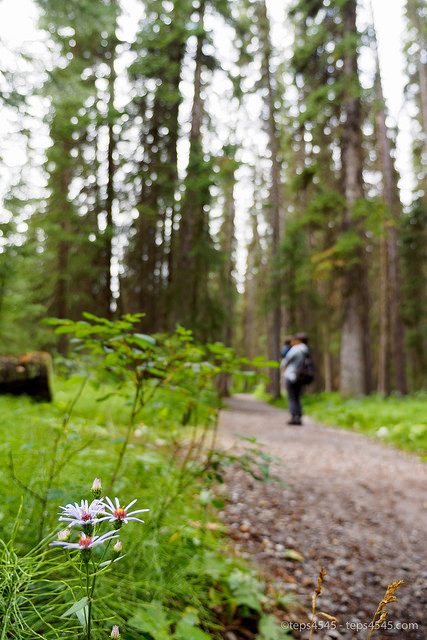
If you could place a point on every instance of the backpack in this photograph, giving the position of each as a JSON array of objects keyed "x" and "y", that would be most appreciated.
[{"x": 305, "y": 373}]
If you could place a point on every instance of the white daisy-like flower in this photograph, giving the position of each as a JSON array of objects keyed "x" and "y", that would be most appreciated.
[
  {"x": 85, "y": 542},
  {"x": 83, "y": 513},
  {"x": 120, "y": 515}
]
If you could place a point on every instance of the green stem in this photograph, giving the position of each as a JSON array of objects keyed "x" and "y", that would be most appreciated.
[
  {"x": 54, "y": 465},
  {"x": 107, "y": 546},
  {"x": 138, "y": 394},
  {"x": 88, "y": 614},
  {"x": 90, "y": 596}
]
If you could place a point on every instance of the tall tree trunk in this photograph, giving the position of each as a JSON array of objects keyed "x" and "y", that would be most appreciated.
[
  {"x": 250, "y": 286},
  {"x": 172, "y": 170},
  {"x": 276, "y": 313},
  {"x": 355, "y": 337},
  {"x": 383, "y": 384},
  {"x": 61, "y": 285},
  {"x": 62, "y": 292},
  {"x": 109, "y": 230},
  {"x": 391, "y": 324},
  {"x": 227, "y": 248},
  {"x": 421, "y": 69},
  {"x": 186, "y": 283}
]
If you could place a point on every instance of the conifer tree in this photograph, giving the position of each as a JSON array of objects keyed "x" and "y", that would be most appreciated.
[
  {"x": 416, "y": 53},
  {"x": 77, "y": 220},
  {"x": 196, "y": 255},
  {"x": 414, "y": 224},
  {"x": 325, "y": 63},
  {"x": 155, "y": 76},
  {"x": 227, "y": 286},
  {"x": 392, "y": 338},
  {"x": 256, "y": 37}
]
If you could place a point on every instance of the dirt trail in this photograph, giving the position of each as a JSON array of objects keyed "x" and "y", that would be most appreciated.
[{"x": 355, "y": 506}]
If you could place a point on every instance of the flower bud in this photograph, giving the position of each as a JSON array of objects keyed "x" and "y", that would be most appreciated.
[
  {"x": 118, "y": 546},
  {"x": 96, "y": 488},
  {"x": 64, "y": 535},
  {"x": 115, "y": 633}
]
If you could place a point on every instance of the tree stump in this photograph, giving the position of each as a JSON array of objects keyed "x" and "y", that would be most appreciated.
[{"x": 31, "y": 374}]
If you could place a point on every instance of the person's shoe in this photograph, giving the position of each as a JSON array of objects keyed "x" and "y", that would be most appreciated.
[{"x": 295, "y": 420}]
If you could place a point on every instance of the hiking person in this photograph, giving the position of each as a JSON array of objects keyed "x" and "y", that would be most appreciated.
[
  {"x": 287, "y": 345},
  {"x": 293, "y": 364}
]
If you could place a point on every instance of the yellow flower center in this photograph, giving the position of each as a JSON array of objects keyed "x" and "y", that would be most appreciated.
[{"x": 120, "y": 513}]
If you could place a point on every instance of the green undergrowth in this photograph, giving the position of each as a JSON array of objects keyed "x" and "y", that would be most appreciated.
[
  {"x": 178, "y": 579},
  {"x": 142, "y": 418},
  {"x": 398, "y": 421}
]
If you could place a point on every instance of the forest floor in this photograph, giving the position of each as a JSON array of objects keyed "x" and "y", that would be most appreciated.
[{"x": 352, "y": 505}]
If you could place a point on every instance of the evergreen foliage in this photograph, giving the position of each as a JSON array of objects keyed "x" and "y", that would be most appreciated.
[{"x": 141, "y": 198}]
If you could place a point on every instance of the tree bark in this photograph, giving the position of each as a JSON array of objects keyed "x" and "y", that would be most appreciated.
[
  {"x": 383, "y": 385},
  {"x": 276, "y": 314},
  {"x": 392, "y": 337},
  {"x": 355, "y": 365},
  {"x": 109, "y": 230},
  {"x": 63, "y": 254},
  {"x": 421, "y": 69},
  {"x": 191, "y": 224}
]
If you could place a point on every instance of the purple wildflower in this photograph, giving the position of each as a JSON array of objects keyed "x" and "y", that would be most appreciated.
[{"x": 120, "y": 515}]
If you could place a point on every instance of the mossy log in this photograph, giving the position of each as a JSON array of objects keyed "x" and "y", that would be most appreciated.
[{"x": 31, "y": 374}]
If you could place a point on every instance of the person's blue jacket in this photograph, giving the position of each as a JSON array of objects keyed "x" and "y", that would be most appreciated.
[{"x": 293, "y": 360}]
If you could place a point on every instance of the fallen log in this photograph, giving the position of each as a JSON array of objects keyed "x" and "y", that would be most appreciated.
[{"x": 31, "y": 374}]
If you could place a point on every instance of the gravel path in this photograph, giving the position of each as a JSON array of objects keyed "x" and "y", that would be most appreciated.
[{"x": 355, "y": 506}]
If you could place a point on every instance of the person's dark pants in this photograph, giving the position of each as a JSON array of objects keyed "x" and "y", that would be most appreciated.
[{"x": 294, "y": 389}]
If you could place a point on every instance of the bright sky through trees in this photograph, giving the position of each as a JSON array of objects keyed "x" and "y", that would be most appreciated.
[{"x": 18, "y": 25}]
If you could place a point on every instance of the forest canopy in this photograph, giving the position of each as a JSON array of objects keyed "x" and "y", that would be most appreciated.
[{"x": 184, "y": 162}]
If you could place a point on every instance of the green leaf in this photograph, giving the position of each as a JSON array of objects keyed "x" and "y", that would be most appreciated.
[
  {"x": 65, "y": 329},
  {"x": 269, "y": 628},
  {"x": 247, "y": 590},
  {"x": 77, "y": 606},
  {"x": 186, "y": 631},
  {"x": 106, "y": 563},
  {"x": 152, "y": 619},
  {"x": 260, "y": 361},
  {"x": 190, "y": 616},
  {"x": 52, "y": 321},
  {"x": 218, "y": 503},
  {"x": 90, "y": 316},
  {"x": 82, "y": 615},
  {"x": 142, "y": 340}
]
